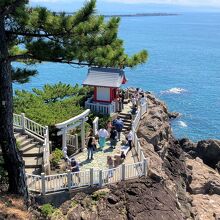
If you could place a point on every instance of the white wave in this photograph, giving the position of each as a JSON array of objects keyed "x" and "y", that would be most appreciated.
[
  {"x": 182, "y": 124},
  {"x": 174, "y": 90}
]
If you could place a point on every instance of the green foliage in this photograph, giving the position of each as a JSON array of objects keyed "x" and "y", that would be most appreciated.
[
  {"x": 47, "y": 209},
  {"x": 22, "y": 75},
  {"x": 96, "y": 196},
  {"x": 74, "y": 203},
  {"x": 18, "y": 144},
  {"x": 103, "y": 119},
  {"x": 53, "y": 104},
  {"x": 56, "y": 156},
  {"x": 83, "y": 38}
]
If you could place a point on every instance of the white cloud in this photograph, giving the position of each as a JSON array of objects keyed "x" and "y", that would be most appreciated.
[{"x": 212, "y": 3}]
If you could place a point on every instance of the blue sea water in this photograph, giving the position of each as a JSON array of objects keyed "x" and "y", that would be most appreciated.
[{"x": 183, "y": 68}]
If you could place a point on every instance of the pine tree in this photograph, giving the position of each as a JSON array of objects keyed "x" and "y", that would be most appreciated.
[{"x": 79, "y": 39}]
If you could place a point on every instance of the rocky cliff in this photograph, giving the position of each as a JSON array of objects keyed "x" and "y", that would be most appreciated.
[{"x": 180, "y": 184}]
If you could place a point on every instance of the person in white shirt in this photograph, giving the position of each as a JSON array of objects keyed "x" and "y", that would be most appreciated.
[
  {"x": 130, "y": 138},
  {"x": 66, "y": 157},
  {"x": 133, "y": 101},
  {"x": 143, "y": 100},
  {"x": 103, "y": 134}
]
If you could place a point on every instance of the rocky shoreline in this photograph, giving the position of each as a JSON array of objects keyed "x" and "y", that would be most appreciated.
[
  {"x": 182, "y": 182},
  {"x": 190, "y": 170}
]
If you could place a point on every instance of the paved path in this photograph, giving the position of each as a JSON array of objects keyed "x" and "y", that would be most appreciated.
[{"x": 100, "y": 157}]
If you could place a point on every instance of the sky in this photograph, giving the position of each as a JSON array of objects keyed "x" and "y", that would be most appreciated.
[{"x": 117, "y": 6}]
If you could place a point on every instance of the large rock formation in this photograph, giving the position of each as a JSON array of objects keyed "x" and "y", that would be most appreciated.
[
  {"x": 204, "y": 189},
  {"x": 196, "y": 185},
  {"x": 143, "y": 199},
  {"x": 178, "y": 186},
  {"x": 207, "y": 150}
]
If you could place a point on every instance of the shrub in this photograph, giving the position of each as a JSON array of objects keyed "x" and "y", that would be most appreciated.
[
  {"x": 47, "y": 209},
  {"x": 96, "y": 196},
  {"x": 53, "y": 104},
  {"x": 56, "y": 156}
]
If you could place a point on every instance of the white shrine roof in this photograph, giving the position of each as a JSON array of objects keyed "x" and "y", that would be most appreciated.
[{"x": 105, "y": 77}]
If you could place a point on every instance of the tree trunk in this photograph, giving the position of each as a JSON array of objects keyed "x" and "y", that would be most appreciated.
[{"x": 12, "y": 158}]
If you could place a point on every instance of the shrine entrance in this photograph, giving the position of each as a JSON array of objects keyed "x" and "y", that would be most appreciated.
[{"x": 66, "y": 126}]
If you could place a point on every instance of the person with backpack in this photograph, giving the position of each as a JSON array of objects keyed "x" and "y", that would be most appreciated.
[
  {"x": 119, "y": 124},
  {"x": 75, "y": 167},
  {"x": 113, "y": 137}
]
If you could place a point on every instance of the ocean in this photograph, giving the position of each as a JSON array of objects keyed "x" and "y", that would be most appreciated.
[{"x": 183, "y": 68}]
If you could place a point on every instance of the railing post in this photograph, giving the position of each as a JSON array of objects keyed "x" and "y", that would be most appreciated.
[
  {"x": 144, "y": 166},
  {"x": 91, "y": 176},
  {"x": 69, "y": 180},
  {"x": 23, "y": 121},
  {"x": 123, "y": 172},
  {"x": 100, "y": 178},
  {"x": 77, "y": 142},
  {"x": 43, "y": 185}
]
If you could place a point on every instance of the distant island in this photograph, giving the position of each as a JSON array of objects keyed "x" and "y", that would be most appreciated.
[
  {"x": 142, "y": 15},
  {"x": 130, "y": 15}
]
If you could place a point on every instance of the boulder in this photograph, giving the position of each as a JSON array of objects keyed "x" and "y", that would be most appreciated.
[
  {"x": 209, "y": 152},
  {"x": 205, "y": 180},
  {"x": 173, "y": 115}
]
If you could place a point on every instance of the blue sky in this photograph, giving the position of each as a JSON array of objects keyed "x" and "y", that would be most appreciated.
[{"x": 123, "y": 6}]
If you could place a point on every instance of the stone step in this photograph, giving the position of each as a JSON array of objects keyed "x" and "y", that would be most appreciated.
[
  {"x": 26, "y": 142},
  {"x": 30, "y": 146},
  {"x": 33, "y": 162},
  {"x": 21, "y": 138},
  {"x": 17, "y": 135},
  {"x": 35, "y": 171}
]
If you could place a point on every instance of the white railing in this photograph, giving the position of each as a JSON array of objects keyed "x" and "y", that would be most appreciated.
[
  {"x": 72, "y": 141},
  {"x": 143, "y": 109},
  {"x": 70, "y": 180},
  {"x": 17, "y": 120},
  {"x": 37, "y": 131},
  {"x": 136, "y": 142},
  {"x": 51, "y": 183},
  {"x": 101, "y": 108},
  {"x": 46, "y": 152},
  {"x": 33, "y": 182},
  {"x": 95, "y": 125},
  {"x": 136, "y": 120}
]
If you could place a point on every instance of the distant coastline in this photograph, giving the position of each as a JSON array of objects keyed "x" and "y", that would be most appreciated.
[
  {"x": 132, "y": 15},
  {"x": 142, "y": 15}
]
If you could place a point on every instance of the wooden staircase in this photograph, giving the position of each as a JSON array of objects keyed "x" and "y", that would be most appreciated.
[{"x": 31, "y": 151}]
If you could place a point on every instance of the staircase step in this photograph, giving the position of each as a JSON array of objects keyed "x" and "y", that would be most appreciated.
[
  {"x": 32, "y": 154},
  {"x": 26, "y": 142},
  {"x": 17, "y": 135},
  {"x": 35, "y": 171},
  {"x": 33, "y": 162},
  {"x": 21, "y": 138},
  {"x": 30, "y": 146}
]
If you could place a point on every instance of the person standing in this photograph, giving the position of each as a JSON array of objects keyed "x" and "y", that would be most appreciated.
[
  {"x": 113, "y": 137},
  {"x": 119, "y": 124},
  {"x": 130, "y": 138},
  {"x": 133, "y": 100},
  {"x": 143, "y": 100},
  {"x": 103, "y": 134},
  {"x": 90, "y": 147}
]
